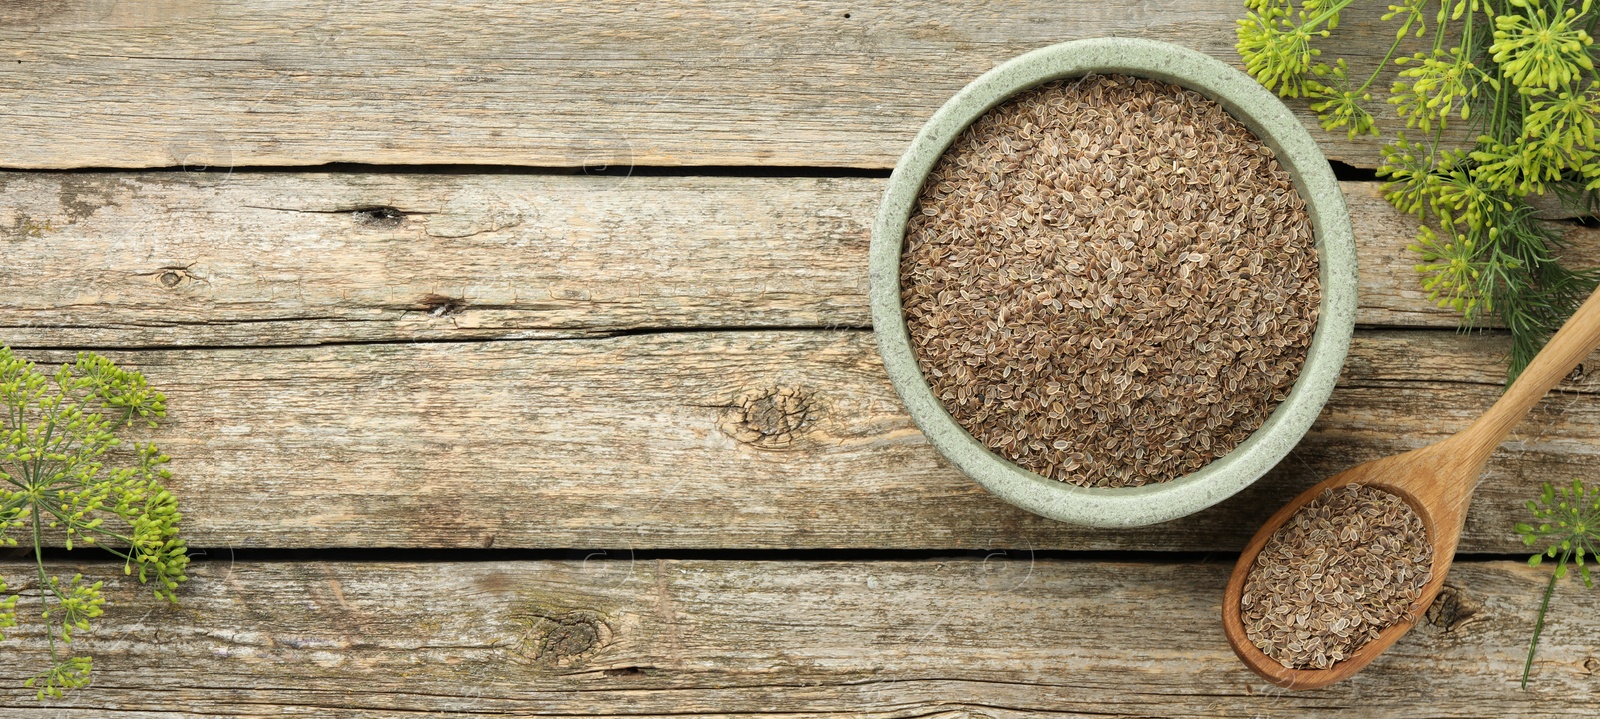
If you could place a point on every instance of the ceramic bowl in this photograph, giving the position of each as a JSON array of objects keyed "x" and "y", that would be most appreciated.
[{"x": 1273, "y": 123}]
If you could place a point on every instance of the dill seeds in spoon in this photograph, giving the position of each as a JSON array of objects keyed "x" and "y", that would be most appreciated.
[
  {"x": 1345, "y": 567},
  {"x": 1109, "y": 281}
]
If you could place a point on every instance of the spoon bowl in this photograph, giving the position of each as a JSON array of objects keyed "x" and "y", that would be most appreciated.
[{"x": 1436, "y": 481}]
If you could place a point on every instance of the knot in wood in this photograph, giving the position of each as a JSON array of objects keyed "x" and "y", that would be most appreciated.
[
  {"x": 171, "y": 277},
  {"x": 1452, "y": 608},
  {"x": 772, "y": 418},
  {"x": 565, "y": 639}
]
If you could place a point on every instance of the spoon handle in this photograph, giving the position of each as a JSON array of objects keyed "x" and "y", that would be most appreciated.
[{"x": 1571, "y": 344}]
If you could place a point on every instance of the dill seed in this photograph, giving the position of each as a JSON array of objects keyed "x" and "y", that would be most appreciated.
[
  {"x": 1109, "y": 281},
  {"x": 1346, "y": 566}
]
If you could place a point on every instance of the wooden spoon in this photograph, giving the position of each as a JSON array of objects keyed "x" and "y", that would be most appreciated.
[{"x": 1437, "y": 481}]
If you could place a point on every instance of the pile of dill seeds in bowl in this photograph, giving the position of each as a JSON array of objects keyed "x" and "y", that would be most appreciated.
[
  {"x": 1345, "y": 567},
  {"x": 1109, "y": 281}
]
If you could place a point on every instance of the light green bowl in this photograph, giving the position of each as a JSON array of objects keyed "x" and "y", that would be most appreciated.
[{"x": 1271, "y": 121}]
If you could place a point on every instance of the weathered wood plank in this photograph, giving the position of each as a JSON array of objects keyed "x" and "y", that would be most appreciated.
[
  {"x": 224, "y": 83},
  {"x": 176, "y": 259},
  {"x": 164, "y": 259},
  {"x": 1001, "y": 637},
  {"x": 682, "y": 440}
]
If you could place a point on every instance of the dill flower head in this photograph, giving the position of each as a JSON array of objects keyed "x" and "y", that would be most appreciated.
[
  {"x": 1568, "y": 520},
  {"x": 65, "y": 472},
  {"x": 1536, "y": 48},
  {"x": 1451, "y": 272},
  {"x": 1276, "y": 52},
  {"x": 1431, "y": 90},
  {"x": 1412, "y": 185},
  {"x": 1339, "y": 104},
  {"x": 1519, "y": 168}
]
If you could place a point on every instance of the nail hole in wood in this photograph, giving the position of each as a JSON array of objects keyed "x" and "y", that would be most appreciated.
[
  {"x": 441, "y": 306},
  {"x": 381, "y": 216}
]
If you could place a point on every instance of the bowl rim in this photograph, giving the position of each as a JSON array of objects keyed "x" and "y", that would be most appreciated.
[{"x": 1271, "y": 121}]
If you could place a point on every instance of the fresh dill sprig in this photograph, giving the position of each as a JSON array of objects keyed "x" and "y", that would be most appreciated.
[
  {"x": 1567, "y": 521},
  {"x": 57, "y": 437},
  {"x": 1520, "y": 73}
]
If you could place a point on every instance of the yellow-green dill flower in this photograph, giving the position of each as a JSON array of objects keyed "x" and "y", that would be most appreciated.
[
  {"x": 1452, "y": 272},
  {"x": 1413, "y": 11},
  {"x": 1338, "y": 105},
  {"x": 72, "y": 673},
  {"x": 1276, "y": 52},
  {"x": 1538, "y": 49},
  {"x": 55, "y": 435},
  {"x": 1519, "y": 168},
  {"x": 1432, "y": 89},
  {"x": 1566, "y": 120},
  {"x": 1413, "y": 186},
  {"x": 1459, "y": 196},
  {"x": 1568, "y": 523}
]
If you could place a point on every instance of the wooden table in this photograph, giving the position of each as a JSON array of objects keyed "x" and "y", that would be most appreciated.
[{"x": 520, "y": 363}]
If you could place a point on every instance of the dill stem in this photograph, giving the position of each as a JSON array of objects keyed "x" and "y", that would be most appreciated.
[
  {"x": 1325, "y": 14},
  {"x": 1385, "y": 61},
  {"x": 82, "y": 526},
  {"x": 1444, "y": 21},
  {"x": 1538, "y": 624},
  {"x": 44, "y": 581}
]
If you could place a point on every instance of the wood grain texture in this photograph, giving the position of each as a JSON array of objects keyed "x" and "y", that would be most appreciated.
[
  {"x": 193, "y": 259},
  {"x": 568, "y": 83},
  {"x": 724, "y": 439},
  {"x": 1000, "y": 637},
  {"x": 182, "y": 259}
]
